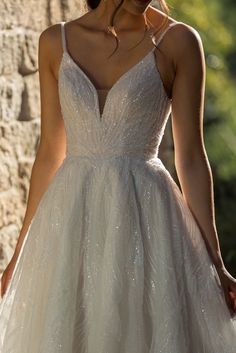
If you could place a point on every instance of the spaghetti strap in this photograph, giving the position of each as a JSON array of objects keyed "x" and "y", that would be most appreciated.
[
  {"x": 164, "y": 32},
  {"x": 63, "y": 36}
]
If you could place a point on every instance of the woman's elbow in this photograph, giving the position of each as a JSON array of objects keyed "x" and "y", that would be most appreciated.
[
  {"x": 191, "y": 157},
  {"x": 51, "y": 151}
]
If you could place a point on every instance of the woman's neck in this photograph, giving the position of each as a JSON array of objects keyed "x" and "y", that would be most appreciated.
[{"x": 128, "y": 17}]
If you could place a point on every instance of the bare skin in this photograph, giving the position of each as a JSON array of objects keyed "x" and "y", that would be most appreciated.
[{"x": 181, "y": 64}]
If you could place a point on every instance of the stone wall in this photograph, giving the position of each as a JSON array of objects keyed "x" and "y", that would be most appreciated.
[{"x": 21, "y": 23}]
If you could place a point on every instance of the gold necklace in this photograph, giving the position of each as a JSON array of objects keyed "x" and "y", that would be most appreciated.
[{"x": 111, "y": 29}]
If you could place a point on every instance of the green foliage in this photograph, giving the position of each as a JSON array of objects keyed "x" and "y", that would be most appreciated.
[
  {"x": 215, "y": 22},
  {"x": 220, "y": 106}
]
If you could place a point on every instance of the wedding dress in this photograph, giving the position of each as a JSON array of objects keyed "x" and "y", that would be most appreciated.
[{"x": 113, "y": 260}]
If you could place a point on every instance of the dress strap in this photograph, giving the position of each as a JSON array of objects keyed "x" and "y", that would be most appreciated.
[
  {"x": 63, "y": 36},
  {"x": 164, "y": 32}
]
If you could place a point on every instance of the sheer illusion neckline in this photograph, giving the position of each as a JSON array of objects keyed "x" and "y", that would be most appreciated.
[
  {"x": 150, "y": 55},
  {"x": 102, "y": 95},
  {"x": 118, "y": 80}
]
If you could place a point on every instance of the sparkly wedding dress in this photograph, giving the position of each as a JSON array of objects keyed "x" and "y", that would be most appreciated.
[{"x": 113, "y": 260}]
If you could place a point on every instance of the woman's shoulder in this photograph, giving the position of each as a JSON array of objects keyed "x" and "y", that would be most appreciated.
[
  {"x": 50, "y": 46},
  {"x": 185, "y": 34},
  {"x": 186, "y": 40},
  {"x": 50, "y": 36},
  {"x": 178, "y": 32}
]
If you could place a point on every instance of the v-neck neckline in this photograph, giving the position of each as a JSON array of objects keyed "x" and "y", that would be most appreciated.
[{"x": 113, "y": 87}]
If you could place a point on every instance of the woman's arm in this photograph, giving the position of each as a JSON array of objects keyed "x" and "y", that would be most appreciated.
[
  {"x": 51, "y": 150},
  {"x": 191, "y": 159}
]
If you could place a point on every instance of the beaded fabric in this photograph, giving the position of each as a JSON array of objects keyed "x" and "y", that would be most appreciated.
[{"x": 113, "y": 260}]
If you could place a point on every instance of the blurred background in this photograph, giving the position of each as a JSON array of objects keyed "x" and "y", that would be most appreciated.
[
  {"x": 22, "y": 21},
  {"x": 215, "y": 22}
]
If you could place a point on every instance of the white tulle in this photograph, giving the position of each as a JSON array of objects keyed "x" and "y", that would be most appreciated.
[{"x": 113, "y": 261}]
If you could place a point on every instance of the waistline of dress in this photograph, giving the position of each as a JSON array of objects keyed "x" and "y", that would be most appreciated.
[{"x": 106, "y": 157}]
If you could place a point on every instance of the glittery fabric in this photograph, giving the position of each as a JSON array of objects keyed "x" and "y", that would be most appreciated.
[{"x": 113, "y": 261}]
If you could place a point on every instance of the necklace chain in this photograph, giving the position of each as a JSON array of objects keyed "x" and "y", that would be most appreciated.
[{"x": 111, "y": 29}]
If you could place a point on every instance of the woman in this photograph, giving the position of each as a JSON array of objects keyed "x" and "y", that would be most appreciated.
[{"x": 111, "y": 255}]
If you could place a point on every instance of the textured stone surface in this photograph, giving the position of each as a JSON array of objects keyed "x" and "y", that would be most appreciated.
[{"x": 21, "y": 23}]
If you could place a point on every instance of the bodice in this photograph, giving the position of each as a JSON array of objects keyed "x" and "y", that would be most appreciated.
[
  {"x": 134, "y": 115},
  {"x": 129, "y": 119}
]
